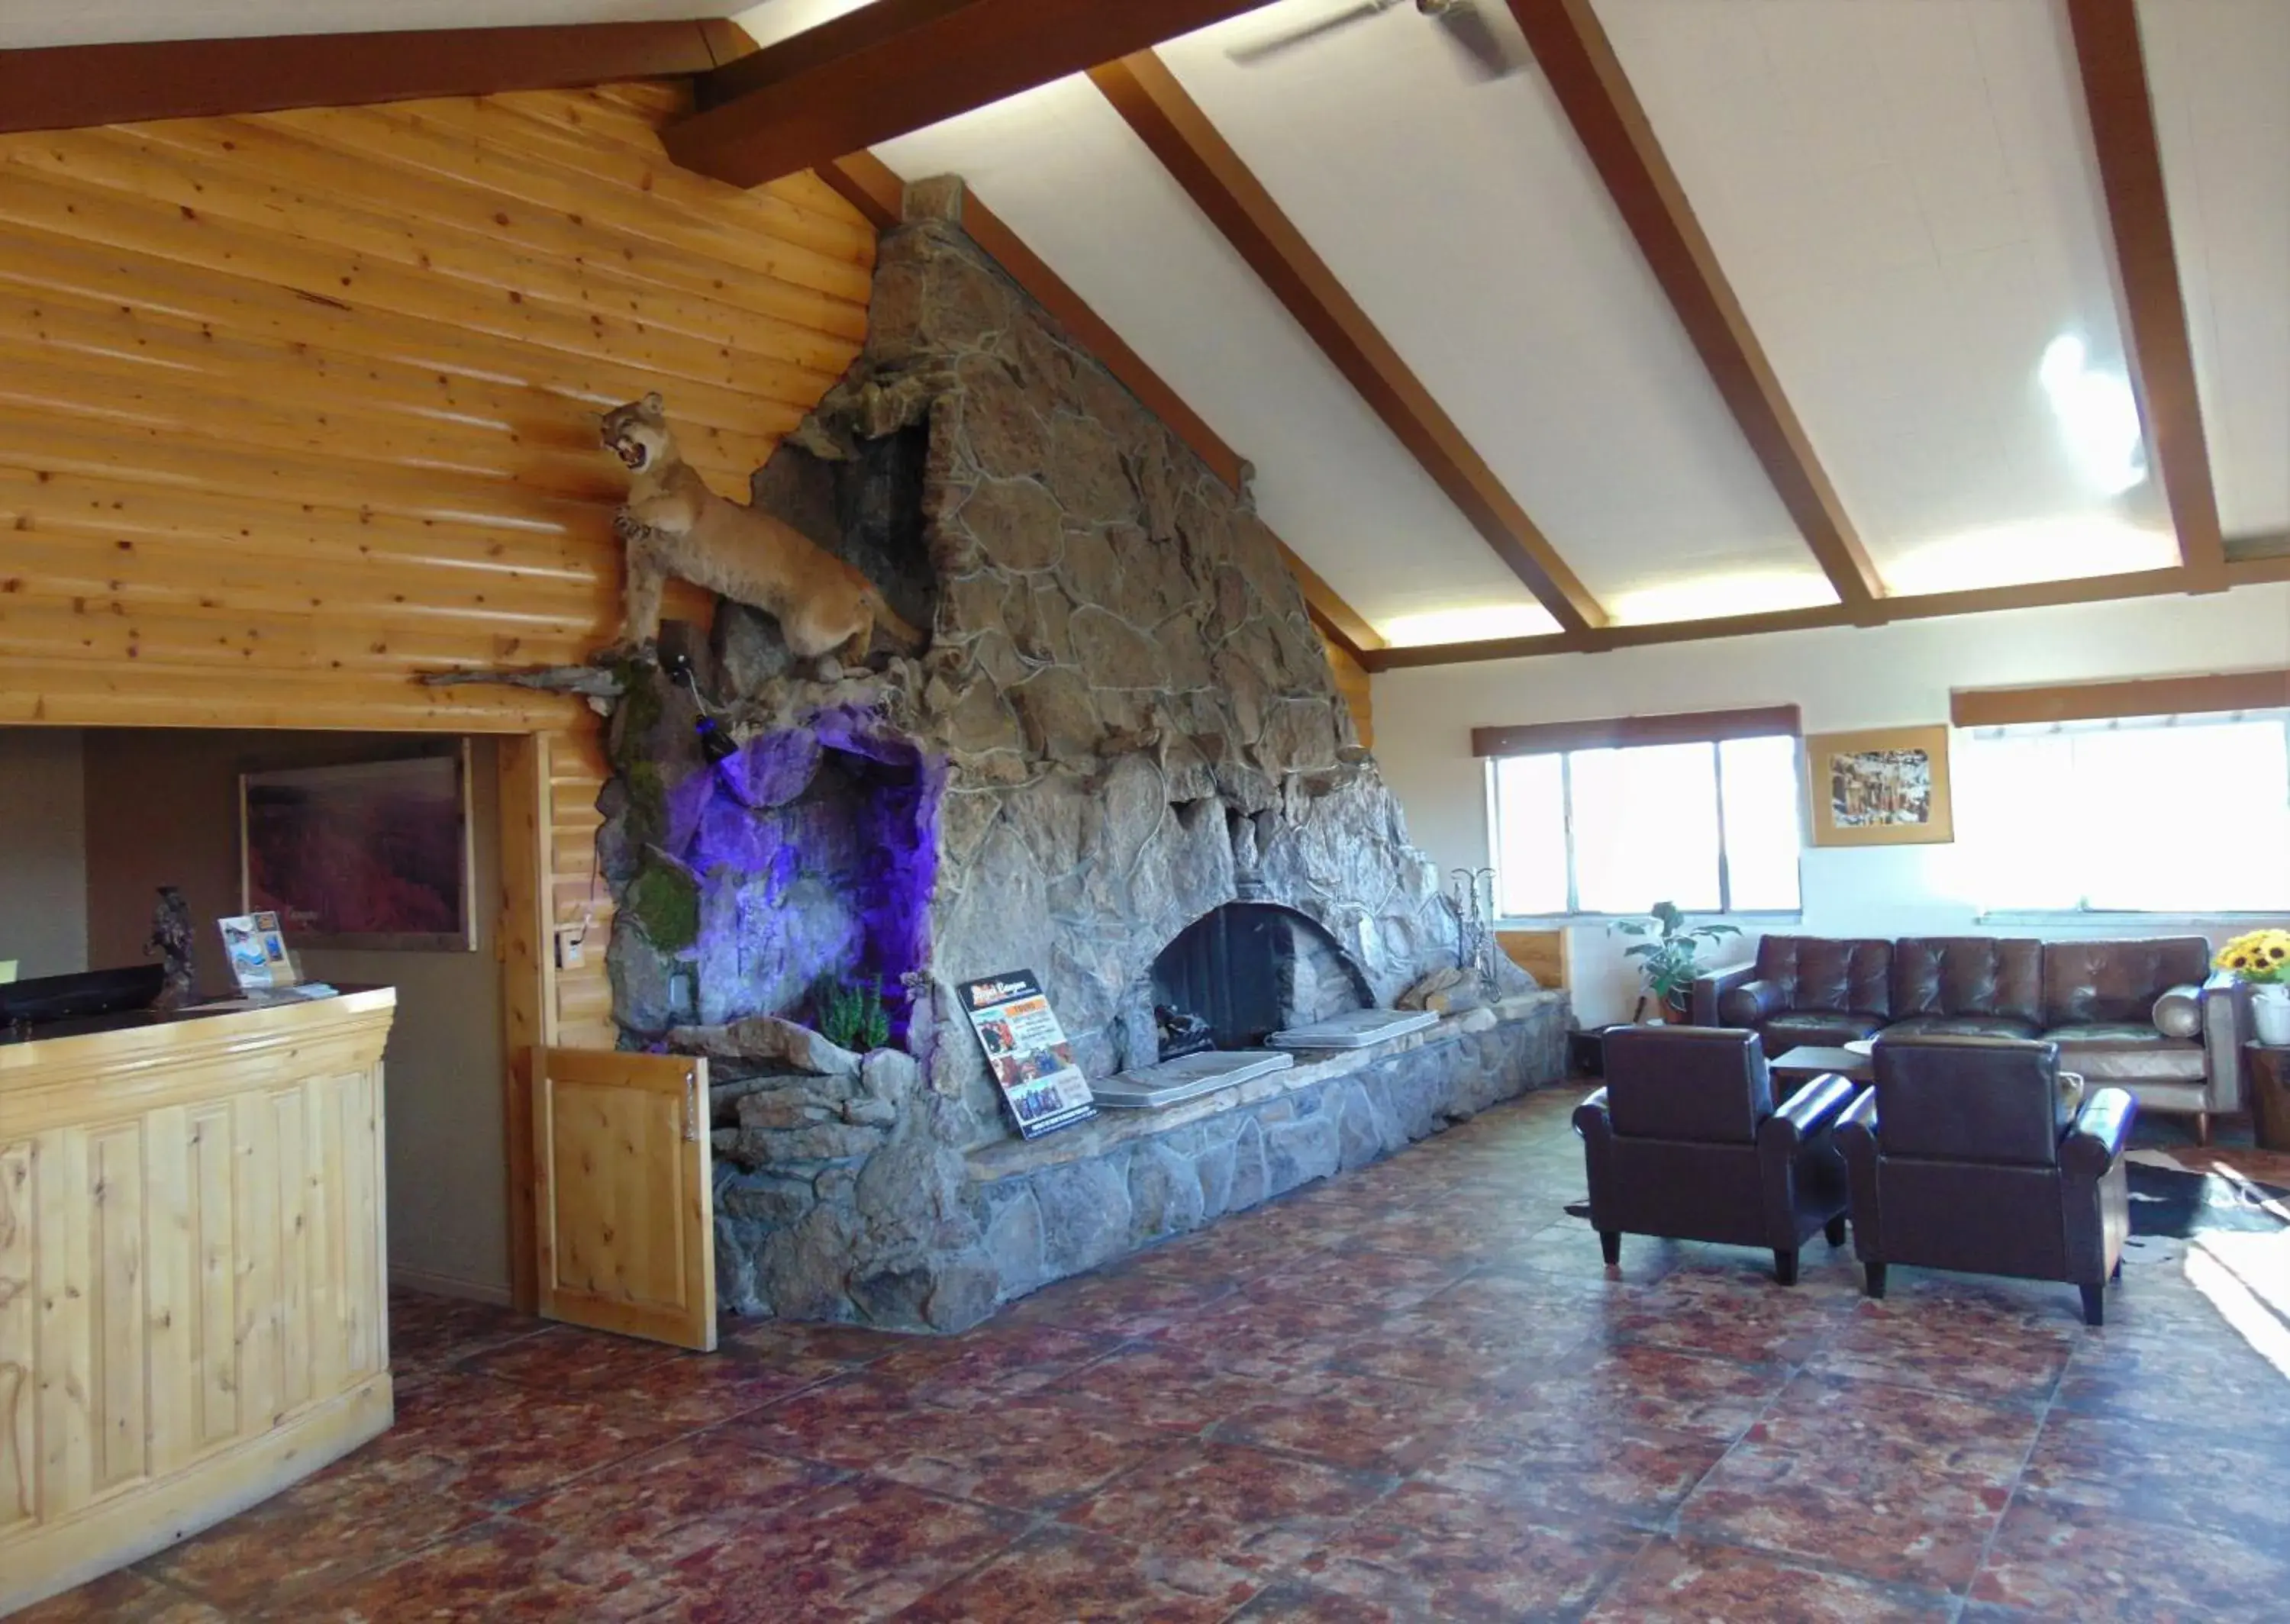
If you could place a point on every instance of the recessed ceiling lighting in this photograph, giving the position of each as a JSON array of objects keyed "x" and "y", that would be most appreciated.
[
  {"x": 1468, "y": 623},
  {"x": 2065, "y": 549},
  {"x": 1703, "y": 597},
  {"x": 2098, "y": 416}
]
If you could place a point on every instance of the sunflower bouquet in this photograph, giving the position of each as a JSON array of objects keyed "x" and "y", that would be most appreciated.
[{"x": 2259, "y": 957}]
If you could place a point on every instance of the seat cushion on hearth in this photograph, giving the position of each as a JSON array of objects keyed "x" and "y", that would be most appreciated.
[
  {"x": 2108, "y": 1051},
  {"x": 1819, "y": 1029},
  {"x": 1962, "y": 1026}
]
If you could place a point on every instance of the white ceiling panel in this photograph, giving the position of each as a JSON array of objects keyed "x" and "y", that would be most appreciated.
[
  {"x": 28, "y": 23},
  {"x": 1059, "y": 166},
  {"x": 2220, "y": 73},
  {"x": 1903, "y": 195},
  {"x": 1464, "y": 217}
]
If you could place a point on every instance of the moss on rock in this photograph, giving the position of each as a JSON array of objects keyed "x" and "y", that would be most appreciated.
[{"x": 665, "y": 903}]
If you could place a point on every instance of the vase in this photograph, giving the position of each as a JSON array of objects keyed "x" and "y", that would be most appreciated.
[{"x": 2269, "y": 1013}]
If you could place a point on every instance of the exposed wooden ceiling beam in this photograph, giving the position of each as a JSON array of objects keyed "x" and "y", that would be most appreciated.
[
  {"x": 66, "y": 87},
  {"x": 868, "y": 185},
  {"x": 1337, "y": 618},
  {"x": 2113, "y": 65},
  {"x": 877, "y": 191},
  {"x": 1570, "y": 46},
  {"x": 897, "y": 66},
  {"x": 1147, "y": 94}
]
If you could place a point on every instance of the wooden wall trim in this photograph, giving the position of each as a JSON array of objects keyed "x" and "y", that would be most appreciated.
[
  {"x": 2145, "y": 696},
  {"x": 528, "y": 996},
  {"x": 1586, "y": 76},
  {"x": 70, "y": 87},
  {"x": 1605, "y": 732},
  {"x": 896, "y": 65},
  {"x": 1147, "y": 96},
  {"x": 2113, "y": 66}
]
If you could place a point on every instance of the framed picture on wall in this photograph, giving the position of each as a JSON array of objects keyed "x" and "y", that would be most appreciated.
[
  {"x": 372, "y": 854},
  {"x": 1885, "y": 787}
]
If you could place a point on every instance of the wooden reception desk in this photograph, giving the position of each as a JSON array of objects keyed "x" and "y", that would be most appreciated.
[{"x": 192, "y": 1275}]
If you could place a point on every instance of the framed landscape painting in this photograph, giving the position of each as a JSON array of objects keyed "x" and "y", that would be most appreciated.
[
  {"x": 374, "y": 854},
  {"x": 1885, "y": 787}
]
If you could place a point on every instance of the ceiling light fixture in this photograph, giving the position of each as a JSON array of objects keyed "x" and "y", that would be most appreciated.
[{"x": 2098, "y": 416}]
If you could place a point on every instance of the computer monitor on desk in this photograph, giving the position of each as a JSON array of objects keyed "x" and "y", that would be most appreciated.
[{"x": 44, "y": 1000}]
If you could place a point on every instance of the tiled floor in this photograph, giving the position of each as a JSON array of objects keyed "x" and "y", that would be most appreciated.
[{"x": 1413, "y": 1393}]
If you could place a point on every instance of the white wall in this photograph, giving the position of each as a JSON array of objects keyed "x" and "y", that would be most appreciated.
[
  {"x": 1884, "y": 676},
  {"x": 42, "y": 851}
]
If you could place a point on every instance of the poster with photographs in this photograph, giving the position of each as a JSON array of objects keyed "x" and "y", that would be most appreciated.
[
  {"x": 1887, "y": 786},
  {"x": 257, "y": 949},
  {"x": 1032, "y": 1063}
]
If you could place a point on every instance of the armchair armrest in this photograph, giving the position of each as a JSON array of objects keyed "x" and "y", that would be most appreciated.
[
  {"x": 2226, "y": 1025},
  {"x": 2100, "y": 1131},
  {"x": 1809, "y": 1113},
  {"x": 1711, "y": 986},
  {"x": 1748, "y": 1002},
  {"x": 1590, "y": 1117},
  {"x": 1857, "y": 1135}
]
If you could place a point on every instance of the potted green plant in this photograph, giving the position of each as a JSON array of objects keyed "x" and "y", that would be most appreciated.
[{"x": 1670, "y": 959}]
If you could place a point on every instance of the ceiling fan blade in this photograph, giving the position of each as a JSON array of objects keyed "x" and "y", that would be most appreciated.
[
  {"x": 1258, "y": 52},
  {"x": 1473, "y": 34}
]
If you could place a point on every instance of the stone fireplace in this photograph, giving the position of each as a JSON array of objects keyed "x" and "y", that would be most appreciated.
[
  {"x": 1252, "y": 969},
  {"x": 1121, "y": 763}
]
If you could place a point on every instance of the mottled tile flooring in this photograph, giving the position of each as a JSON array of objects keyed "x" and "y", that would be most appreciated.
[{"x": 1411, "y": 1393}]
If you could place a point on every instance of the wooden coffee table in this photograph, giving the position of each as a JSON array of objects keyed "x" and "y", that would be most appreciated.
[{"x": 1800, "y": 1064}]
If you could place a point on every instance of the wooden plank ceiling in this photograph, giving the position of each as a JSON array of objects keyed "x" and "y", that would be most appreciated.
[{"x": 932, "y": 70}]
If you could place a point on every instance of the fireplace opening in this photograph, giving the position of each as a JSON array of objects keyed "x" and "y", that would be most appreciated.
[{"x": 1252, "y": 969}]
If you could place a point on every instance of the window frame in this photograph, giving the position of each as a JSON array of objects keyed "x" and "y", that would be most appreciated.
[
  {"x": 1982, "y": 913},
  {"x": 1574, "y": 913}
]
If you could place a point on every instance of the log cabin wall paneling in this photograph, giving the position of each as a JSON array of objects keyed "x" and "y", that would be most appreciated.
[{"x": 296, "y": 406}]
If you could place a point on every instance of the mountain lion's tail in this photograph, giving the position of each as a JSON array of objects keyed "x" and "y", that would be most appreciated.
[{"x": 907, "y": 637}]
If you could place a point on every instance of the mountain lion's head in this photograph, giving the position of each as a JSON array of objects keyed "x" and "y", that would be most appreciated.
[{"x": 637, "y": 433}]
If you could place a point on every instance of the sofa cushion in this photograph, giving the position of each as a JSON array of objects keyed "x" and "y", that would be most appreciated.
[
  {"x": 1821, "y": 1029},
  {"x": 2107, "y": 1051},
  {"x": 1825, "y": 972},
  {"x": 1963, "y": 1026},
  {"x": 1969, "y": 975},
  {"x": 2118, "y": 981}
]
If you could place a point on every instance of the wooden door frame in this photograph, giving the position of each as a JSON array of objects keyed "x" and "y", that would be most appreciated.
[{"x": 526, "y": 942}]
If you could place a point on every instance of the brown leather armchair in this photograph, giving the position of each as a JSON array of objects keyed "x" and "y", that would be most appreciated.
[
  {"x": 1969, "y": 1154},
  {"x": 1684, "y": 1142}
]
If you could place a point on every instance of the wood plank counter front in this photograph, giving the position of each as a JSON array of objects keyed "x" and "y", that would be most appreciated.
[{"x": 192, "y": 1300}]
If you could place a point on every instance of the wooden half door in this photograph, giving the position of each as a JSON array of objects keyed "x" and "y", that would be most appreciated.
[{"x": 623, "y": 1210}]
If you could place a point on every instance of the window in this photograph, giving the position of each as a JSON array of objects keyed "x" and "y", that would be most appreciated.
[
  {"x": 2187, "y": 815},
  {"x": 1710, "y": 825}
]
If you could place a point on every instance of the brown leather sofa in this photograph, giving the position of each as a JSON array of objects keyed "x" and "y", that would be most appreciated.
[
  {"x": 1684, "y": 1142},
  {"x": 1967, "y": 1154},
  {"x": 2145, "y": 1013}
]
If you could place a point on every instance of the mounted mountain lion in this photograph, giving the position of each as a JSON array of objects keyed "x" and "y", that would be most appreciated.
[{"x": 674, "y": 525}]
